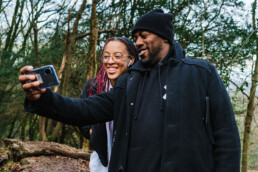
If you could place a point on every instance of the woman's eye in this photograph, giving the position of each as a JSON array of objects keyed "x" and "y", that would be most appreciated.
[{"x": 118, "y": 57}]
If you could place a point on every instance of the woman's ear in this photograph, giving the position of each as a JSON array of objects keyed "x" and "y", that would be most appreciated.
[
  {"x": 131, "y": 62},
  {"x": 133, "y": 59}
]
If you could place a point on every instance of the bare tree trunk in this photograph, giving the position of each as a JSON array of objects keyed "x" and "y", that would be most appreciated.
[
  {"x": 96, "y": 65},
  {"x": 93, "y": 41},
  {"x": 12, "y": 127},
  {"x": 42, "y": 134},
  {"x": 35, "y": 15},
  {"x": 56, "y": 131},
  {"x": 1, "y": 43},
  {"x": 251, "y": 103},
  {"x": 9, "y": 34},
  {"x": 133, "y": 7},
  {"x": 92, "y": 58},
  {"x": 67, "y": 61},
  {"x": 5, "y": 60},
  {"x": 23, "y": 127},
  {"x": 67, "y": 71},
  {"x": 49, "y": 126},
  {"x": 17, "y": 23},
  {"x": 26, "y": 36},
  {"x": 60, "y": 74},
  {"x": 35, "y": 29},
  {"x": 202, "y": 18},
  {"x": 32, "y": 121}
]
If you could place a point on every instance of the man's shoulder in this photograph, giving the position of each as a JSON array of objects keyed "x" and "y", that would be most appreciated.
[{"x": 198, "y": 63}]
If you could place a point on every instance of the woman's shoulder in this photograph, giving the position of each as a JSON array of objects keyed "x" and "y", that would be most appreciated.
[
  {"x": 89, "y": 82},
  {"x": 86, "y": 88}
]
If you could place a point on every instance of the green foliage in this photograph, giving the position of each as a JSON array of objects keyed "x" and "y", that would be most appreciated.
[{"x": 253, "y": 159}]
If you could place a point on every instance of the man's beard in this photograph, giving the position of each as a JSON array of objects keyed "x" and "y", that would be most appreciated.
[
  {"x": 151, "y": 62},
  {"x": 153, "y": 59}
]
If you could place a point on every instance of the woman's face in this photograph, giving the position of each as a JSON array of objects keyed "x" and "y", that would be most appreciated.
[{"x": 116, "y": 59}]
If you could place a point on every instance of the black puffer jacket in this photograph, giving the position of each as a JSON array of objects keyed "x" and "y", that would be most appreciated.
[{"x": 200, "y": 132}]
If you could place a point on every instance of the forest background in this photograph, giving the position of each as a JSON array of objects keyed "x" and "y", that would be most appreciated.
[{"x": 69, "y": 34}]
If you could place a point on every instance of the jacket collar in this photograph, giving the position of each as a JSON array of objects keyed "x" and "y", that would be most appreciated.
[
  {"x": 179, "y": 52},
  {"x": 94, "y": 86}
]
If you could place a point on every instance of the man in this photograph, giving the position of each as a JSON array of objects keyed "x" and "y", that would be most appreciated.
[{"x": 170, "y": 113}]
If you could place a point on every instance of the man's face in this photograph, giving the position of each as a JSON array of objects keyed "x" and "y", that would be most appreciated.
[{"x": 150, "y": 47}]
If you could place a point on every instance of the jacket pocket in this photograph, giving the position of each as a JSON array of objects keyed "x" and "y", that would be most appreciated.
[
  {"x": 207, "y": 121},
  {"x": 199, "y": 158}
]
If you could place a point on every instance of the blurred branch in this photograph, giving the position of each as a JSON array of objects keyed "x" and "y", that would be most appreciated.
[
  {"x": 239, "y": 88},
  {"x": 246, "y": 40},
  {"x": 78, "y": 37}
]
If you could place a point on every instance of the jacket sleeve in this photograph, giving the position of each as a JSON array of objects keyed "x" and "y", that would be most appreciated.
[
  {"x": 223, "y": 125},
  {"x": 74, "y": 111}
]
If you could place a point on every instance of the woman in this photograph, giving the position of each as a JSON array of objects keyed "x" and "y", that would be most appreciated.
[{"x": 117, "y": 56}]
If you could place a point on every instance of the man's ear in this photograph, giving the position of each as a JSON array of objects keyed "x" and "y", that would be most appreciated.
[{"x": 166, "y": 41}]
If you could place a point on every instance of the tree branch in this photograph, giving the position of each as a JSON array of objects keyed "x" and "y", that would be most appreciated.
[
  {"x": 239, "y": 88},
  {"x": 81, "y": 36}
]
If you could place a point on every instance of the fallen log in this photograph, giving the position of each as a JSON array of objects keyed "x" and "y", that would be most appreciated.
[{"x": 42, "y": 156}]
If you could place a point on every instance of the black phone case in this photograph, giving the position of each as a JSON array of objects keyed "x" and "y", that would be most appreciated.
[{"x": 46, "y": 76}]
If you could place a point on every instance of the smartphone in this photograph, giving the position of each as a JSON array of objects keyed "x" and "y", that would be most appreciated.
[{"x": 46, "y": 75}]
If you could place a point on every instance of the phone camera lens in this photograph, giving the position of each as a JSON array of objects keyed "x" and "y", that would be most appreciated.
[{"x": 47, "y": 71}]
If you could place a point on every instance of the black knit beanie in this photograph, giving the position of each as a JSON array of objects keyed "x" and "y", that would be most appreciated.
[
  {"x": 157, "y": 22},
  {"x": 131, "y": 47}
]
